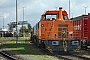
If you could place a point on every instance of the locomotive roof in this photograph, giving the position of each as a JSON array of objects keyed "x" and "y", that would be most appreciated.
[{"x": 54, "y": 12}]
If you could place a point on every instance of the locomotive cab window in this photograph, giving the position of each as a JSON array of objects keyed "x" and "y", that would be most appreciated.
[
  {"x": 65, "y": 17},
  {"x": 50, "y": 17}
]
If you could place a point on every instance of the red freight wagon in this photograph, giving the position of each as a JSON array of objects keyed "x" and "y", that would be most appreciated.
[
  {"x": 88, "y": 26},
  {"x": 81, "y": 29}
]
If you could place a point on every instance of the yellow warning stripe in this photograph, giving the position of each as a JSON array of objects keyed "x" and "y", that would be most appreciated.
[
  {"x": 48, "y": 48},
  {"x": 78, "y": 48},
  {"x": 64, "y": 43}
]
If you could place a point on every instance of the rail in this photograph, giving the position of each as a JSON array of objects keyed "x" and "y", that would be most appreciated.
[{"x": 7, "y": 56}]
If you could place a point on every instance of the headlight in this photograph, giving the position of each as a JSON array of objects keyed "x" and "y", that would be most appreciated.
[{"x": 75, "y": 42}]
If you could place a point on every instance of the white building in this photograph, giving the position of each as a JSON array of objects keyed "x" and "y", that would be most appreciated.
[{"x": 3, "y": 31}]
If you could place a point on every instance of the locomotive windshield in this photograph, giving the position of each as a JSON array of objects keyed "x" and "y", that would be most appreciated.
[
  {"x": 50, "y": 17},
  {"x": 53, "y": 17}
]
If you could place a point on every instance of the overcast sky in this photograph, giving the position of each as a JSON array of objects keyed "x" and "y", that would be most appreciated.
[{"x": 35, "y": 8}]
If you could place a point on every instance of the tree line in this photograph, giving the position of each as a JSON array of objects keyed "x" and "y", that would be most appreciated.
[{"x": 22, "y": 30}]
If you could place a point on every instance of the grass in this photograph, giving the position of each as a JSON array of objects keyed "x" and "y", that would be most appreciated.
[
  {"x": 13, "y": 38},
  {"x": 24, "y": 47}
]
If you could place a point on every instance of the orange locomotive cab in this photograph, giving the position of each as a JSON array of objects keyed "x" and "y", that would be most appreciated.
[
  {"x": 51, "y": 23},
  {"x": 55, "y": 31}
]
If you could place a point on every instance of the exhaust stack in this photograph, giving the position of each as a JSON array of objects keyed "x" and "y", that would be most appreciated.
[{"x": 60, "y": 13}]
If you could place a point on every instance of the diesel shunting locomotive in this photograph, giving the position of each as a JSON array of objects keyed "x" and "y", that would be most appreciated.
[{"x": 55, "y": 32}]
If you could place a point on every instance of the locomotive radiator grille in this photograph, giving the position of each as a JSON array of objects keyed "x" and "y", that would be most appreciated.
[{"x": 62, "y": 28}]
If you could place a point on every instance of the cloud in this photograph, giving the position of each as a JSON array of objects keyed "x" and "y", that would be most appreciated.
[
  {"x": 78, "y": 7},
  {"x": 7, "y": 3}
]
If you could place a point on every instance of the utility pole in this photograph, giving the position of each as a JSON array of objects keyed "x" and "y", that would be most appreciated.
[
  {"x": 69, "y": 8},
  {"x": 72, "y": 14},
  {"x": 16, "y": 24},
  {"x": 3, "y": 25},
  {"x": 85, "y": 9},
  {"x": 23, "y": 22},
  {"x": 3, "y": 21}
]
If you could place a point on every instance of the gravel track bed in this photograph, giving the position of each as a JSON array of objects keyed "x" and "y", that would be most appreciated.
[
  {"x": 2, "y": 57},
  {"x": 84, "y": 53}
]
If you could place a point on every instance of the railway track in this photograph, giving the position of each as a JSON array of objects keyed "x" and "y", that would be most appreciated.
[
  {"x": 70, "y": 56},
  {"x": 3, "y": 55},
  {"x": 6, "y": 56}
]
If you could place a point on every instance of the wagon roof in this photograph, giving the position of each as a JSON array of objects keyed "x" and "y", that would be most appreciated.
[{"x": 77, "y": 18}]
